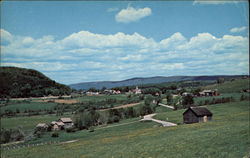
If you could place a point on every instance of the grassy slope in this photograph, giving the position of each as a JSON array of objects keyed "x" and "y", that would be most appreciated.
[
  {"x": 225, "y": 136},
  {"x": 227, "y": 89},
  {"x": 230, "y": 86}
]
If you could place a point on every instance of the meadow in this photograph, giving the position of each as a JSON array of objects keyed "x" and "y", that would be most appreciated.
[
  {"x": 28, "y": 123},
  {"x": 225, "y": 136},
  {"x": 233, "y": 86}
]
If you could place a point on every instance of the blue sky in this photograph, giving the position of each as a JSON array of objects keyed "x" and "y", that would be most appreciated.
[{"x": 84, "y": 41}]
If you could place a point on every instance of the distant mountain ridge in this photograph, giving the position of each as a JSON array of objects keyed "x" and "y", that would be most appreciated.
[{"x": 146, "y": 80}]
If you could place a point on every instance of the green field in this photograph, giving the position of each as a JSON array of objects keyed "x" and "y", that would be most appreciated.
[
  {"x": 29, "y": 106},
  {"x": 28, "y": 123},
  {"x": 235, "y": 86},
  {"x": 226, "y": 136},
  {"x": 101, "y": 97}
]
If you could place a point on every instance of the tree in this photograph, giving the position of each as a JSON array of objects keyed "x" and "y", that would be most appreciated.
[
  {"x": 146, "y": 109},
  {"x": 152, "y": 91},
  {"x": 148, "y": 99},
  {"x": 169, "y": 98},
  {"x": 92, "y": 89},
  {"x": 187, "y": 101},
  {"x": 103, "y": 89},
  {"x": 220, "y": 80}
]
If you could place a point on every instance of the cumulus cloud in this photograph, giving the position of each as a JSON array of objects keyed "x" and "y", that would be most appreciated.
[
  {"x": 91, "y": 40},
  {"x": 131, "y": 14},
  {"x": 238, "y": 29},
  {"x": 90, "y": 57},
  {"x": 214, "y": 2},
  {"x": 5, "y": 36}
]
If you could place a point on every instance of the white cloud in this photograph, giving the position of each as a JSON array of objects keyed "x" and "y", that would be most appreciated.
[
  {"x": 120, "y": 56},
  {"x": 43, "y": 66},
  {"x": 5, "y": 36},
  {"x": 131, "y": 14},
  {"x": 238, "y": 29},
  {"x": 214, "y": 2},
  {"x": 173, "y": 41},
  {"x": 136, "y": 57},
  {"x": 201, "y": 41},
  {"x": 91, "y": 40}
]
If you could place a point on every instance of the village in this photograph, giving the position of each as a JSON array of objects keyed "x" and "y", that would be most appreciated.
[{"x": 191, "y": 115}]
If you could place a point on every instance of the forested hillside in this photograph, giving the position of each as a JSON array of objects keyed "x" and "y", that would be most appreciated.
[{"x": 21, "y": 82}]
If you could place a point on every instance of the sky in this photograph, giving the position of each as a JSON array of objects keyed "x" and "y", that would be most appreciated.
[{"x": 83, "y": 41}]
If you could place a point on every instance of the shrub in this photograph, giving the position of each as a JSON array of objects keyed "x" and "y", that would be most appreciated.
[
  {"x": 70, "y": 130},
  {"x": 8, "y": 135},
  {"x": 55, "y": 134},
  {"x": 91, "y": 129},
  {"x": 38, "y": 134}
]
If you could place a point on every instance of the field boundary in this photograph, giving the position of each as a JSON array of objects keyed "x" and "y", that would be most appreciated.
[{"x": 18, "y": 146}]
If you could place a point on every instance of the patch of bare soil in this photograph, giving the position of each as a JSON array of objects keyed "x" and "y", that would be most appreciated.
[
  {"x": 65, "y": 101},
  {"x": 71, "y": 141},
  {"x": 122, "y": 106}
]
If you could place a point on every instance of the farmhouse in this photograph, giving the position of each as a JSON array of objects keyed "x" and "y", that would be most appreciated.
[
  {"x": 42, "y": 126},
  {"x": 67, "y": 122},
  {"x": 136, "y": 90},
  {"x": 197, "y": 114},
  {"x": 209, "y": 93},
  {"x": 57, "y": 125}
]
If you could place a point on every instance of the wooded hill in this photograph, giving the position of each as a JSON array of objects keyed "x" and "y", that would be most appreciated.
[
  {"x": 21, "y": 82},
  {"x": 148, "y": 80}
]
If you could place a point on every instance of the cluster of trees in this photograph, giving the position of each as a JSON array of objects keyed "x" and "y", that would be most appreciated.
[
  {"x": 216, "y": 101},
  {"x": 9, "y": 135},
  {"x": 244, "y": 97},
  {"x": 109, "y": 102},
  {"x": 86, "y": 118},
  {"x": 152, "y": 91},
  {"x": 20, "y": 82}
]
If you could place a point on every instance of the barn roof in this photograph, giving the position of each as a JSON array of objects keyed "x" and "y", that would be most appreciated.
[
  {"x": 66, "y": 120},
  {"x": 199, "y": 111},
  {"x": 60, "y": 123},
  {"x": 41, "y": 125}
]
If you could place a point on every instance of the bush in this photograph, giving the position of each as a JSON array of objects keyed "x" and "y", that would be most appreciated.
[
  {"x": 71, "y": 130},
  {"x": 8, "y": 135},
  {"x": 55, "y": 134},
  {"x": 38, "y": 134},
  {"x": 91, "y": 129}
]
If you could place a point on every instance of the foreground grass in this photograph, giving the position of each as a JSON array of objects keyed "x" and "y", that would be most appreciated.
[{"x": 226, "y": 136}]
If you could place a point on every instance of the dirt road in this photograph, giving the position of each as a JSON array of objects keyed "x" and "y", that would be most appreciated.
[
  {"x": 150, "y": 118},
  {"x": 167, "y": 106},
  {"x": 122, "y": 106}
]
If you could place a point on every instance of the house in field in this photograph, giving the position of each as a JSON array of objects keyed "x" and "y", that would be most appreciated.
[
  {"x": 186, "y": 94},
  {"x": 57, "y": 125},
  {"x": 136, "y": 90},
  {"x": 42, "y": 127},
  {"x": 197, "y": 114},
  {"x": 209, "y": 93},
  {"x": 92, "y": 93},
  {"x": 68, "y": 123}
]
